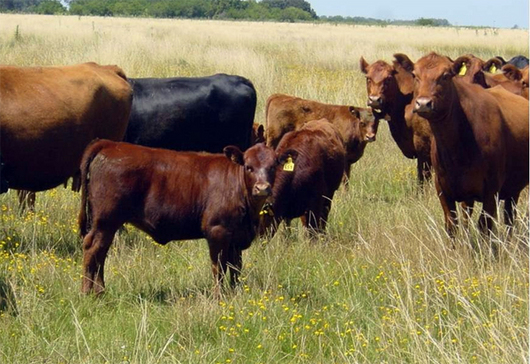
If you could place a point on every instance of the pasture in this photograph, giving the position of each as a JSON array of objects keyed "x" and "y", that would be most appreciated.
[{"x": 383, "y": 286}]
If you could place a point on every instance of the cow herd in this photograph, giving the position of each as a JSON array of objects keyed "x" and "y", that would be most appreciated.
[{"x": 181, "y": 158}]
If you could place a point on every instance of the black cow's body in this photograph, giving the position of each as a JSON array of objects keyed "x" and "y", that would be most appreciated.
[
  {"x": 518, "y": 61},
  {"x": 192, "y": 114}
]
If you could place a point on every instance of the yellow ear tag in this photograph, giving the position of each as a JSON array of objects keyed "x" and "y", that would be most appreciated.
[
  {"x": 463, "y": 70},
  {"x": 493, "y": 69},
  {"x": 289, "y": 165}
]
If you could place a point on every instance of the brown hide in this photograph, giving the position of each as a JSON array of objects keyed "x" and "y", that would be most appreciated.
[
  {"x": 389, "y": 89},
  {"x": 472, "y": 132},
  {"x": 478, "y": 72},
  {"x": 172, "y": 196},
  {"x": 355, "y": 125},
  {"x": 318, "y": 155},
  {"x": 50, "y": 114}
]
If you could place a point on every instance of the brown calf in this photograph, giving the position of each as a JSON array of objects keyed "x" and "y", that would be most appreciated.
[
  {"x": 306, "y": 189},
  {"x": 355, "y": 125},
  {"x": 172, "y": 196}
]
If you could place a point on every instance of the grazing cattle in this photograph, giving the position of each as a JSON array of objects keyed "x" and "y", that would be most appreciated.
[
  {"x": 355, "y": 125},
  {"x": 50, "y": 114},
  {"x": 307, "y": 180},
  {"x": 389, "y": 89},
  {"x": 192, "y": 114},
  {"x": 518, "y": 61},
  {"x": 172, "y": 196},
  {"x": 479, "y": 140}
]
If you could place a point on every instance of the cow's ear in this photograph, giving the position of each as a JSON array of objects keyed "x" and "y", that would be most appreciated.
[
  {"x": 290, "y": 153},
  {"x": 511, "y": 72},
  {"x": 461, "y": 65},
  {"x": 492, "y": 65},
  {"x": 404, "y": 62},
  {"x": 261, "y": 132},
  {"x": 355, "y": 112},
  {"x": 234, "y": 154},
  {"x": 363, "y": 65}
]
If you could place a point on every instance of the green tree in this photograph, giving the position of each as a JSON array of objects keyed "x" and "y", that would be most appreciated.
[{"x": 50, "y": 7}]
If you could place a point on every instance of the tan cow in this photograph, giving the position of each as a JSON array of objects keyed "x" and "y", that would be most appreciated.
[
  {"x": 356, "y": 125},
  {"x": 50, "y": 114}
]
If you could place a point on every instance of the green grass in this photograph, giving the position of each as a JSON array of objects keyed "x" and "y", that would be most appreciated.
[{"x": 383, "y": 286}]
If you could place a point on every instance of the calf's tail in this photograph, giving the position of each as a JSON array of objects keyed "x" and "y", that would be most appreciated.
[{"x": 85, "y": 213}]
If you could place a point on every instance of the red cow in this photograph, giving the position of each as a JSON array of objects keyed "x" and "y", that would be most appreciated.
[
  {"x": 476, "y": 140},
  {"x": 172, "y": 196},
  {"x": 306, "y": 189},
  {"x": 389, "y": 89}
]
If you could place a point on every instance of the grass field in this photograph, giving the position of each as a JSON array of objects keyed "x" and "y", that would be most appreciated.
[{"x": 383, "y": 286}]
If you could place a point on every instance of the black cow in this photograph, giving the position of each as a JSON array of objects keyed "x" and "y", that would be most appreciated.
[
  {"x": 518, "y": 61},
  {"x": 192, "y": 114}
]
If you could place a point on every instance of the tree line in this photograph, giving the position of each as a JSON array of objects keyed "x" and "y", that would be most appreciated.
[{"x": 273, "y": 10}]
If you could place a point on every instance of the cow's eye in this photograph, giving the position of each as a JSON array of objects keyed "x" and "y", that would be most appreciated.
[
  {"x": 250, "y": 169},
  {"x": 363, "y": 124}
]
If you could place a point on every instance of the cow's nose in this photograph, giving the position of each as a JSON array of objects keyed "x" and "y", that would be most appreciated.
[
  {"x": 262, "y": 189},
  {"x": 370, "y": 137},
  {"x": 423, "y": 104},
  {"x": 375, "y": 101}
]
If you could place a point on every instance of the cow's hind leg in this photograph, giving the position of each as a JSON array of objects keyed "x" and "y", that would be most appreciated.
[{"x": 96, "y": 244}]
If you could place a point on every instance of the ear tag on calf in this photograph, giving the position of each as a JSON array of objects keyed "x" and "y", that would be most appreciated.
[
  {"x": 289, "y": 165},
  {"x": 463, "y": 70},
  {"x": 493, "y": 69}
]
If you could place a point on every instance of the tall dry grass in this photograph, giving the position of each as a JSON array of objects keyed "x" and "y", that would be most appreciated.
[{"x": 383, "y": 286}]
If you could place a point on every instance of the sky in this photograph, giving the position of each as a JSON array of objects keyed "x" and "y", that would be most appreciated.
[{"x": 492, "y": 13}]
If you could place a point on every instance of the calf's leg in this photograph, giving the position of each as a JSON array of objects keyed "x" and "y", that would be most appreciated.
[{"x": 96, "y": 244}]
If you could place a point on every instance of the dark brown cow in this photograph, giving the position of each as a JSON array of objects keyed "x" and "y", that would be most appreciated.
[
  {"x": 478, "y": 144},
  {"x": 50, "y": 114},
  {"x": 389, "y": 89},
  {"x": 317, "y": 158},
  {"x": 172, "y": 196},
  {"x": 356, "y": 125}
]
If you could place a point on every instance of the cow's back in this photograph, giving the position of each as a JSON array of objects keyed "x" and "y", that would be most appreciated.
[
  {"x": 192, "y": 114},
  {"x": 50, "y": 114}
]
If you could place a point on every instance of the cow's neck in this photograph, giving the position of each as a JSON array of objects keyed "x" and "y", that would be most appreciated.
[
  {"x": 252, "y": 205},
  {"x": 453, "y": 135},
  {"x": 397, "y": 124}
]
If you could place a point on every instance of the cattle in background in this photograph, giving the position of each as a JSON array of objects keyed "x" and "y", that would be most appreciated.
[
  {"x": 307, "y": 178},
  {"x": 172, "y": 196},
  {"x": 389, "y": 89},
  {"x": 484, "y": 74},
  {"x": 355, "y": 125},
  {"x": 50, "y": 114},
  {"x": 478, "y": 139},
  {"x": 519, "y": 76},
  {"x": 518, "y": 61},
  {"x": 192, "y": 114}
]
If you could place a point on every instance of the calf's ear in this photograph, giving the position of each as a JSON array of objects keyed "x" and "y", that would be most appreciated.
[
  {"x": 461, "y": 65},
  {"x": 234, "y": 154},
  {"x": 290, "y": 153},
  {"x": 511, "y": 72},
  {"x": 492, "y": 65},
  {"x": 363, "y": 65},
  {"x": 355, "y": 112}
]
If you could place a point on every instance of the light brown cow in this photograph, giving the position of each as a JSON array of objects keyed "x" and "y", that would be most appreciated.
[
  {"x": 50, "y": 114},
  {"x": 519, "y": 76},
  {"x": 389, "y": 89},
  {"x": 356, "y": 125},
  {"x": 478, "y": 144}
]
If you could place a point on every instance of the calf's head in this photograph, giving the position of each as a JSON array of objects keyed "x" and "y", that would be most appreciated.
[{"x": 259, "y": 163}]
